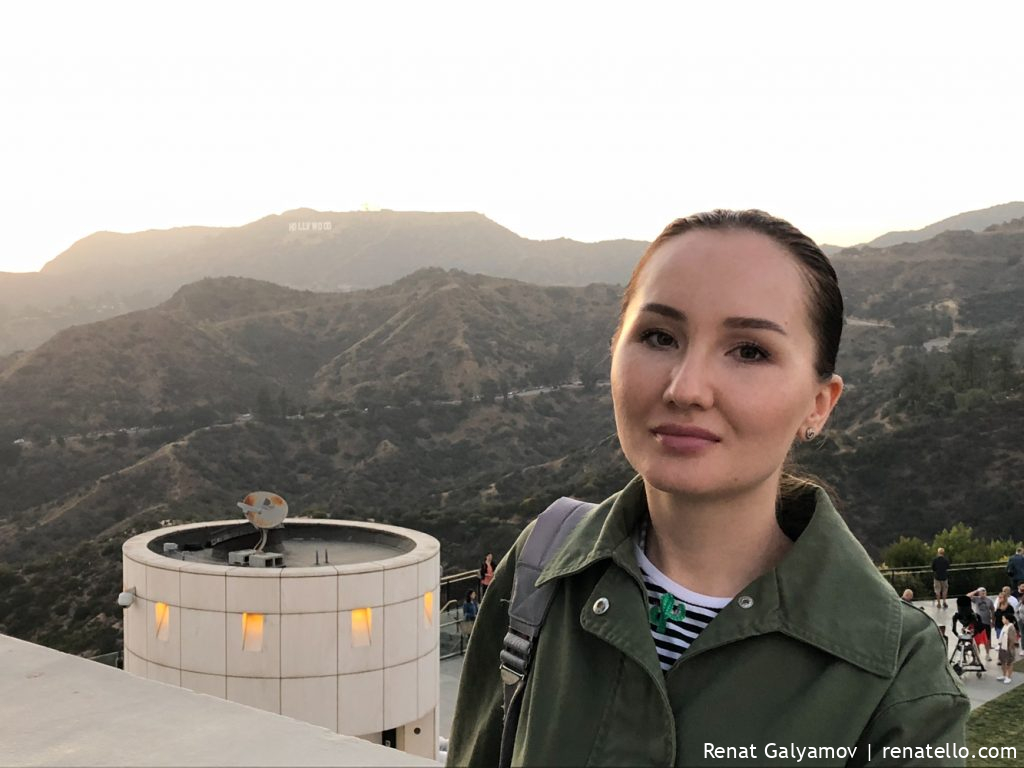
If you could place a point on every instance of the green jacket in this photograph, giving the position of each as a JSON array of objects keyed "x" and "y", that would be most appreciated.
[{"x": 819, "y": 652}]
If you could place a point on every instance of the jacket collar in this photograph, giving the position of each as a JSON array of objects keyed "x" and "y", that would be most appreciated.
[{"x": 822, "y": 593}]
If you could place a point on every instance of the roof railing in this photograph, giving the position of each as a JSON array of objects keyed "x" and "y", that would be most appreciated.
[
  {"x": 963, "y": 578},
  {"x": 455, "y": 628}
]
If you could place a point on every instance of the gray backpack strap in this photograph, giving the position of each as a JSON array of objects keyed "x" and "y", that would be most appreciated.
[{"x": 528, "y": 607}]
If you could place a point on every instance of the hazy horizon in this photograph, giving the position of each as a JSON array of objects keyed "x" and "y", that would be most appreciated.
[
  {"x": 575, "y": 120},
  {"x": 865, "y": 238}
]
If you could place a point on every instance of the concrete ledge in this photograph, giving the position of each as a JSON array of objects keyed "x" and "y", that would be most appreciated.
[{"x": 62, "y": 710}]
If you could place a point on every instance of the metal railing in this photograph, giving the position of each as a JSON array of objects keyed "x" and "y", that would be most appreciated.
[
  {"x": 963, "y": 578},
  {"x": 450, "y": 589},
  {"x": 112, "y": 659},
  {"x": 455, "y": 629}
]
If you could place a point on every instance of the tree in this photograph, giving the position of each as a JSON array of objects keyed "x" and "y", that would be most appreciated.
[
  {"x": 973, "y": 398},
  {"x": 10, "y": 455},
  {"x": 264, "y": 405},
  {"x": 961, "y": 546},
  {"x": 906, "y": 553},
  {"x": 1003, "y": 369},
  {"x": 201, "y": 416},
  {"x": 969, "y": 365},
  {"x": 489, "y": 390},
  {"x": 9, "y": 578},
  {"x": 589, "y": 378}
]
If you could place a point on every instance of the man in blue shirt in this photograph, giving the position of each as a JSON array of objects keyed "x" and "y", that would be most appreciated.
[{"x": 1015, "y": 568}]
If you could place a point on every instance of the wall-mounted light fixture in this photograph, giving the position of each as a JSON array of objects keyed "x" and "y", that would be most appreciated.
[
  {"x": 162, "y": 614},
  {"x": 428, "y": 609},
  {"x": 252, "y": 632},
  {"x": 362, "y": 627}
]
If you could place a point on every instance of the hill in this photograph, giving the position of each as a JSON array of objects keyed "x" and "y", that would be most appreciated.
[
  {"x": 436, "y": 335},
  {"x": 974, "y": 221},
  {"x": 461, "y": 404},
  {"x": 108, "y": 273}
]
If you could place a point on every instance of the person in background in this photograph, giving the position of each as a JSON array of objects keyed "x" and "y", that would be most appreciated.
[
  {"x": 1013, "y": 601},
  {"x": 486, "y": 574},
  {"x": 470, "y": 606},
  {"x": 940, "y": 576},
  {"x": 1008, "y": 640},
  {"x": 1019, "y": 610},
  {"x": 908, "y": 596},
  {"x": 969, "y": 623},
  {"x": 984, "y": 607},
  {"x": 966, "y": 618},
  {"x": 1015, "y": 569},
  {"x": 1002, "y": 608}
]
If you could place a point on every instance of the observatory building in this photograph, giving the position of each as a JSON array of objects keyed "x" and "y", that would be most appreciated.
[{"x": 330, "y": 622}]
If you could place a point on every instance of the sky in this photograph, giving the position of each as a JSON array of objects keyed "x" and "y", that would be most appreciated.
[{"x": 587, "y": 120}]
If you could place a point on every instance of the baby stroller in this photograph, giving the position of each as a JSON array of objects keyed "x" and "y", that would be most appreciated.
[{"x": 965, "y": 657}]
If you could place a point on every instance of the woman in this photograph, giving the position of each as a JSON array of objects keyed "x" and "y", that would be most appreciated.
[
  {"x": 1003, "y": 608},
  {"x": 696, "y": 609},
  {"x": 1005, "y": 592},
  {"x": 1007, "y": 648},
  {"x": 486, "y": 574}
]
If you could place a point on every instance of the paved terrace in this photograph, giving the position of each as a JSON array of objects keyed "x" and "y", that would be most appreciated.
[
  {"x": 982, "y": 689},
  {"x": 62, "y": 710}
]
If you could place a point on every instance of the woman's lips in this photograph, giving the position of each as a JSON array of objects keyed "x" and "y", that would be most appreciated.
[{"x": 684, "y": 439}]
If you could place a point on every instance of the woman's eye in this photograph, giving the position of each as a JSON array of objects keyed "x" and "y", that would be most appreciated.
[
  {"x": 657, "y": 339},
  {"x": 751, "y": 353}
]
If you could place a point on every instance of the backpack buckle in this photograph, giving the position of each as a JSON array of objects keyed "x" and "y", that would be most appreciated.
[
  {"x": 515, "y": 657},
  {"x": 509, "y": 676}
]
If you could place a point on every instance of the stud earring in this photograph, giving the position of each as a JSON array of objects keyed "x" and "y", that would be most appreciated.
[{"x": 810, "y": 433}]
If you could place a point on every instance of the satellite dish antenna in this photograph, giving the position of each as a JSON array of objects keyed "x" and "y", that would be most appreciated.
[{"x": 264, "y": 510}]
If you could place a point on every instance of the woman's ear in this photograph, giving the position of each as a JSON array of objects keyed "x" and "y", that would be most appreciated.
[{"x": 825, "y": 400}]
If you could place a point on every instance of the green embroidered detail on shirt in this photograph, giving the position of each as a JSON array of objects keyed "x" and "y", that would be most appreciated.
[{"x": 669, "y": 608}]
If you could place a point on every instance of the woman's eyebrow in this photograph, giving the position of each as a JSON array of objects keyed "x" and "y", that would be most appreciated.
[
  {"x": 749, "y": 323},
  {"x": 664, "y": 309},
  {"x": 758, "y": 323}
]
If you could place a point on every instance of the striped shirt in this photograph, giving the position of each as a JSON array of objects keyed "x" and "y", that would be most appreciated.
[{"x": 677, "y": 614}]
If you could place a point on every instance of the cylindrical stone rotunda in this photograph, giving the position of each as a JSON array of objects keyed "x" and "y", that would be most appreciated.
[{"x": 335, "y": 623}]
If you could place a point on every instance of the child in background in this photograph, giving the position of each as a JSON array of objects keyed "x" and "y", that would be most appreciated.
[
  {"x": 470, "y": 607},
  {"x": 1007, "y": 648}
]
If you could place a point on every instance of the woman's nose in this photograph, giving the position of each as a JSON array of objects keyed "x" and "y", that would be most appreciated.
[{"x": 690, "y": 384}]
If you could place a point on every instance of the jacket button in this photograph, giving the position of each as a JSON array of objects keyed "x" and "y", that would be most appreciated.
[
  {"x": 746, "y": 602},
  {"x": 601, "y": 605}
]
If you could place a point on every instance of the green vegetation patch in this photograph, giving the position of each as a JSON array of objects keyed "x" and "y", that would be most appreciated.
[{"x": 998, "y": 723}]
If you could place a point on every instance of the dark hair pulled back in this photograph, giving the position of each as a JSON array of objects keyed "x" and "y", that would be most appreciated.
[
  {"x": 825, "y": 305},
  {"x": 826, "y": 302}
]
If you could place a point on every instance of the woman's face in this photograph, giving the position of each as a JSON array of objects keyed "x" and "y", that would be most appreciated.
[{"x": 713, "y": 373}]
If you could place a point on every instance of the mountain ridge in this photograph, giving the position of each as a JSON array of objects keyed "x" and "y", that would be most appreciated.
[
  {"x": 217, "y": 342},
  {"x": 107, "y": 273},
  {"x": 974, "y": 221}
]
